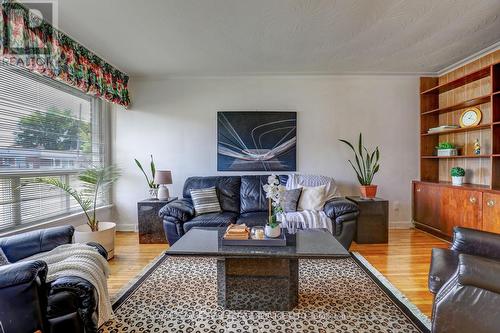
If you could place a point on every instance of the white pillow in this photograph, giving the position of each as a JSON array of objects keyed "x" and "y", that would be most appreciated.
[{"x": 312, "y": 198}]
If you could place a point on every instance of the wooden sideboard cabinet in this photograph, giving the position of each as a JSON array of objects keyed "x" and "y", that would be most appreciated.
[{"x": 438, "y": 207}]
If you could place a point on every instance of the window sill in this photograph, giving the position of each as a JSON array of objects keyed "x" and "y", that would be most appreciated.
[{"x": 52, "y": 223}]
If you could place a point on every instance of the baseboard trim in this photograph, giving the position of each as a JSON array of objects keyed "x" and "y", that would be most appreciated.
[
  {"x": 127, "y": 227},
  {"x": 400, "y": 225}
]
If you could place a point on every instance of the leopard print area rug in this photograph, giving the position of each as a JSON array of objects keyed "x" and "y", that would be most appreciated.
[{"x": 335, "y": 295}]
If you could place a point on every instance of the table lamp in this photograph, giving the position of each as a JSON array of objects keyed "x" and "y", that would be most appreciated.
[{"x": 162, "y": 178}]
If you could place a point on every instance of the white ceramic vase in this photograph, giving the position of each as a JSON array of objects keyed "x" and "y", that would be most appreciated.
[
  {"x": 456, "y": 180},
  {"x": 272, "y": 232},
  {"x": 105, "y": 236}
]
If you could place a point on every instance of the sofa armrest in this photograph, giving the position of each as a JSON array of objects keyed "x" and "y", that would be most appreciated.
[
  {"x": 444, "y": 264},
  {"x": 84, "y": 292},
  {"x": 340, "y": 209},
  {"x": 181, "y": 210},
  {"x": 102, "y": 251},
  {"x": 479, "y": 272},
  {"x": 24, "y": 245},
  {"x": 23, "y": 296},
  {"x": 22, "y": 272},
  {"x": 476, "y": 242}
]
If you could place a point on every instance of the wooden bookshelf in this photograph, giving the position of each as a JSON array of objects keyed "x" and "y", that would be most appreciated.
[{"x": 442, "y": 100}]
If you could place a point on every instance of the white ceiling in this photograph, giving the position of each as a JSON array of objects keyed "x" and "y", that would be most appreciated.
[{"x": 226, "y": 37}]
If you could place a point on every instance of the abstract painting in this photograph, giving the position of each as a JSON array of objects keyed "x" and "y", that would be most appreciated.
[{"x": 256, "y": 141}]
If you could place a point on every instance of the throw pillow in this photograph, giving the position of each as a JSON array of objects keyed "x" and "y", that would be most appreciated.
[
  {"x": 205, "y": 201},
  {"x": 312, "y": 198},
  {"x": 291, "y": 200},
  {"x": 3, "y": 258}
]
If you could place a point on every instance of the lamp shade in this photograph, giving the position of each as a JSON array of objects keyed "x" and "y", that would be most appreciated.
[{"x": 163, "y": 177}]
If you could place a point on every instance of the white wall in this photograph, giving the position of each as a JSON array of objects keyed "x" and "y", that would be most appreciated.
[{"x": 175, "y": 120}]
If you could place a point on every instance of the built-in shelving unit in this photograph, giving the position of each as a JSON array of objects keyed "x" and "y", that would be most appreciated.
[{"x": 442, "y": 99}]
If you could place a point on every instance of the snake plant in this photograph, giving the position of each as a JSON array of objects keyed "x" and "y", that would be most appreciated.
[{"x": 366, "y": 163}]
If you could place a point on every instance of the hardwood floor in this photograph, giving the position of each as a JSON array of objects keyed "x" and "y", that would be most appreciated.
[{"x": 404, "y": 261}]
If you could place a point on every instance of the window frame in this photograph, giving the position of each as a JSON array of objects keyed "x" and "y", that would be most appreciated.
[{"x": 102, "y": 118}]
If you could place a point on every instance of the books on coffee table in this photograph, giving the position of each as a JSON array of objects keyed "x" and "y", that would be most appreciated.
[{"x": 237, "y": 232}]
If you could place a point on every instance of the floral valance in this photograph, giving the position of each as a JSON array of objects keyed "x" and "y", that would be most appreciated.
[{"x": 28, "y": 41}]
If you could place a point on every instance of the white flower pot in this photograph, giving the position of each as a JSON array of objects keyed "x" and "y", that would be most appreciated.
[
  {"x": 105, "y": 236},
  {"x": 272, "y": 232},
  {"x": 456, "y": 180}
]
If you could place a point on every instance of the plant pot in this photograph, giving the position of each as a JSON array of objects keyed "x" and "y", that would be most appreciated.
[
  {"x": 105, "y": 236},
  {"x": 272, "y": 232},
  {"x": 368, "y": 191},
  {"x": 153, "y": 193},
  {"x": 457, "y": 180},
  {"x": 447, "y": 152}
]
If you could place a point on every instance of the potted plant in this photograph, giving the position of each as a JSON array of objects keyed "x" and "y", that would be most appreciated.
[
  {"x": 457, "y": 176},
  {"x": 446, "y": 149},
  {"x": 367, "y": 165},
  {"x": 153, "y": 188},
  {"x": 275, "y": 194},
  {"x": 94, "y": 181}
]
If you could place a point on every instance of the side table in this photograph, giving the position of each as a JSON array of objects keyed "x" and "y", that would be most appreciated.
[
  {"x": 150, "y": 224},
  {"x": 373, "y": 220}
]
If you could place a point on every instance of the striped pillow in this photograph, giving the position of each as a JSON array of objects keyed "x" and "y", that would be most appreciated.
[{"x": 205, "y": 201}]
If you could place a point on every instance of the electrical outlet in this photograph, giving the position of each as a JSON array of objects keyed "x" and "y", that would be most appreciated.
[{"x": 395, "y": 206}]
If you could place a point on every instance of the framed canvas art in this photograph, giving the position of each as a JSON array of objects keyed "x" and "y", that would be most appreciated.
[{"x": 256, "y": 141}]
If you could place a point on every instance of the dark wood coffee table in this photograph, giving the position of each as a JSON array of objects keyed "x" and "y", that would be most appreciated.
[{"x": 258, "y": 278}]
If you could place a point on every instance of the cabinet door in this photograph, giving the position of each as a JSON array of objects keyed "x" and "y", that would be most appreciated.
[
  {"x": 427, "y": 205},
  {"x": 460, "y": 208},
  {"x": 491, "y": 212}
]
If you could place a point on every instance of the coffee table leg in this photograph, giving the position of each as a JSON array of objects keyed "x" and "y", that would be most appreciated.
[{"x": 258, "y": 284}]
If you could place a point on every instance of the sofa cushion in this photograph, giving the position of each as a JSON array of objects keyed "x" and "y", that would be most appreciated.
[
  {"x": 253, "y": 197},
  {"x": 205, "y": 201},
  {"x": 312, "y": 198},
  {"x": 211, "y": 220},
  {"x": 291, "y": 200},
  {"x": 253, "y": 219},
  {"x": 228, "y": 190}
]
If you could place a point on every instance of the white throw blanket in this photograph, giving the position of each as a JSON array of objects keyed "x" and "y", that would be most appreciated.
[
  {"x": 308, "y": 219},
  {"x": 83, "y": 261}
]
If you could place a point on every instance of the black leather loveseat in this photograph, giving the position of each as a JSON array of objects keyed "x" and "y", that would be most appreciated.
[
  {"x": 28, "y": 303},
  {"x": 243, "y": 200}
]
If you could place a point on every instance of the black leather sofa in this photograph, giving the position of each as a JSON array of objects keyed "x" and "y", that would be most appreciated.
[
  {"x": 243, "y": 200},
  {"x": 28, "y": 303},
  {"x": 466, "y": 282}
]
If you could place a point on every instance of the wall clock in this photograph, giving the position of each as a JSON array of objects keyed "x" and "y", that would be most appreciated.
[{"x": 470, "y": 117}]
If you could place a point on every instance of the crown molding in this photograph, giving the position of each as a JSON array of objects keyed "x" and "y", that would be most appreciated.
[{"x": 470, "y": 58}]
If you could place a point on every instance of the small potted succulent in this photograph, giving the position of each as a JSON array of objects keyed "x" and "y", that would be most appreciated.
[
  {"x": 457, "y": 176},
  {"x": 446, "y": 149}
]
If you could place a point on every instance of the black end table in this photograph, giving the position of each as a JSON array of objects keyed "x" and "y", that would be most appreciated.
[
  {"x": 373, "y": 220},
  {"x": 150, "y": 224}
]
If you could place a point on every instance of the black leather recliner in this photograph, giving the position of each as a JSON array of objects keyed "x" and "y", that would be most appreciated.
[
  {"x": 466, "y": 282},
  {"x": 28, "y": 303},
  {"x": 243, "y": 200}
]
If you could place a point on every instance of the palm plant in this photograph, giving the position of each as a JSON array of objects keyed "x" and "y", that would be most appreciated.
[
  {"x": 151, "y": 182},
  {"x": 94, "y": 180},
  {"x": 367, "y": 164}
]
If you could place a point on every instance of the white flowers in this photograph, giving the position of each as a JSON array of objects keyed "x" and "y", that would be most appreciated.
[{"x": 274, "y": 191}]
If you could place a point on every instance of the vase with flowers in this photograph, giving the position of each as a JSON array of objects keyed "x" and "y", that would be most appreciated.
[{"x": 275, "y": 194}]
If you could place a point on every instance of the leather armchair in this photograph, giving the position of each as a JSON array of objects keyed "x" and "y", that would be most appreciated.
[
  {"x": 68, "y": 304},
  {"x": 465, "y": 281}
]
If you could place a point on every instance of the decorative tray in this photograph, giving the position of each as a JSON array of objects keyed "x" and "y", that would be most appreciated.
[{"x": 279, "y": 241}]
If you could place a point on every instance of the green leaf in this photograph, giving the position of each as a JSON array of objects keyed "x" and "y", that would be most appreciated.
[
  {"x": 153, "y": 168},
  {"x": 143, "y": 172}
]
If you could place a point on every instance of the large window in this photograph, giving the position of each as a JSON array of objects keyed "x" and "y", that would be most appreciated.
[{"x": 46, "y": 129}]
